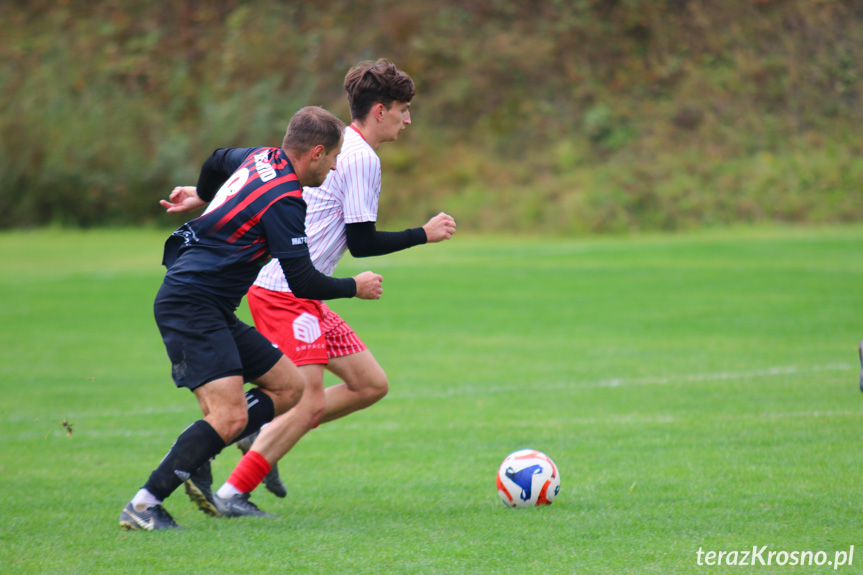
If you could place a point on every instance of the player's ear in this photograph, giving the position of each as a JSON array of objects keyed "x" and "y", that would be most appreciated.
[{"x": 318, "y": 152}]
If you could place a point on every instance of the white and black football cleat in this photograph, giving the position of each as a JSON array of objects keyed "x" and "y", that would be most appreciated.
[{"x": 150, "y": 519}]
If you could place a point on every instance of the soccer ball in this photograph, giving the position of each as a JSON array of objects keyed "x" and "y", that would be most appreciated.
[{"x": 527, "y": 478}]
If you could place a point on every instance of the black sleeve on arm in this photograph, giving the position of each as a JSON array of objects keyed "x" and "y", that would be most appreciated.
[
  {"x": 308, "y": 283},
  {"x": 218, "y": 168},
  {"x": 364, "y": 240}
]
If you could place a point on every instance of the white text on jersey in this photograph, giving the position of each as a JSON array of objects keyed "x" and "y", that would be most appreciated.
[{"x": 265, "y": 170}]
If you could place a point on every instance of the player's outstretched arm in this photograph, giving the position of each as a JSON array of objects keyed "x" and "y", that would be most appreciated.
[
  {"x": 365, "y": 240},
  {"x": 308, "y": 283},
  {"x": 369, "y": 285},
  {"x": 439, "y": 228},
  {"x": 183, "y": 199},
  {"x": 215, "y": 172}
]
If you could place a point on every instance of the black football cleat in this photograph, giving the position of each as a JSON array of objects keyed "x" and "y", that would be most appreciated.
[
  {"x": 238, "y": 506},
  {"x": 199, "y": 488}
]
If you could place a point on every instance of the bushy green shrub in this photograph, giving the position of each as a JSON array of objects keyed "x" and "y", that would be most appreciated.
[{"x": 559, "y": 116}]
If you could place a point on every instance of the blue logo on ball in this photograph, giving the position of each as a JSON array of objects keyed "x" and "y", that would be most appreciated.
[{"x": 524, "y": 479}]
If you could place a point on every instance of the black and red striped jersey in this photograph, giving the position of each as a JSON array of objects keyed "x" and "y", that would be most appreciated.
[{"x": 257, "y": 213}]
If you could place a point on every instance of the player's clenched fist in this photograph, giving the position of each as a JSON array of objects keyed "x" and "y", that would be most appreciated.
[
  {"x": 439, "y": 228},
  {"x": 369, "y": 285}
]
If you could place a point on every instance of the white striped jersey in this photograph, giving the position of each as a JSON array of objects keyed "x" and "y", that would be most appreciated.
[{"x": 349, "y": 195}]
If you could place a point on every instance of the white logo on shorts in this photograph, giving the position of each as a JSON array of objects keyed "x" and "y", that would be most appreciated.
[{"x": 307, "y": 328}]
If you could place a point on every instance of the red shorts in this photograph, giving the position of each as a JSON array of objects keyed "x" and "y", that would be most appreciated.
[{"x": 305, "y": 330}]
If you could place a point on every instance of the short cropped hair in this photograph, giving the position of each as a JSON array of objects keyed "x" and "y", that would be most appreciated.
[
  {"x": 369, "y": 83},
  {"x": 312, "y": 126}
]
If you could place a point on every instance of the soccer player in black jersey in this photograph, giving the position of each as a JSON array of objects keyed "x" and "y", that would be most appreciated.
[{"x": 255, "y": 212}]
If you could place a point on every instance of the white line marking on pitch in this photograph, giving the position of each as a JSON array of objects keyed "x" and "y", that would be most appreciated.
[{"x": 479, "y": 389}]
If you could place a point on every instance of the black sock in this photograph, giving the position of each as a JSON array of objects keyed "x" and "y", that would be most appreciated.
[
  {"x": 261, "y": 411},
  {"x": 195, "y": 446}
]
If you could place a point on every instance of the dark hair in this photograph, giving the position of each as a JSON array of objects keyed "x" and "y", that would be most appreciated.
[
  {"x": 369, "y": 83},
  {"x": 312, "y": 126}
]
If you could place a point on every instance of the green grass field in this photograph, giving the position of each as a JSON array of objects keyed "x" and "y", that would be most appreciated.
[{"x": 696, "y": 391}]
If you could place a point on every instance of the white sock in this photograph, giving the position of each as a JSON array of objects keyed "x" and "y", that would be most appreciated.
[
  {"x": 227, "y": 491},
  {"x": 144, "y": 499}
]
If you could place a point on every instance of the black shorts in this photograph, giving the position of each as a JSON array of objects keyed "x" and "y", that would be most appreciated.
[{"x": 206, "y": 341}]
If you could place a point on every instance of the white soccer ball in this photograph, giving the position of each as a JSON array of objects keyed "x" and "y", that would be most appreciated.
[{"x": 527, "y": 478}]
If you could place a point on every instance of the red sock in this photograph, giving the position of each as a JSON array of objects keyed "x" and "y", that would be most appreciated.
[{"x": 249, "y": 472}]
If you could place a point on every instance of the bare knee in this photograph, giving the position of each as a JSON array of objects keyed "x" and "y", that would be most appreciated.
[
  {"x": 224, "y": 405},
  {"x": 379, "y": 387},
  {"x": 229, "y": 422},
  {"x": 284, "y": 384},
  {"x": 372, "y": 389},
  {"x": 365, "y": 383}
]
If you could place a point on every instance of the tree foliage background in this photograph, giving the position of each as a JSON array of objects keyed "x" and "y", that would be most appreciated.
[{"x": 555, "y": 116}]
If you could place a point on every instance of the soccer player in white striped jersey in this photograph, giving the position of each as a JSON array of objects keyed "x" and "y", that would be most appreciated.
[{"x": 341, "y": 215}]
